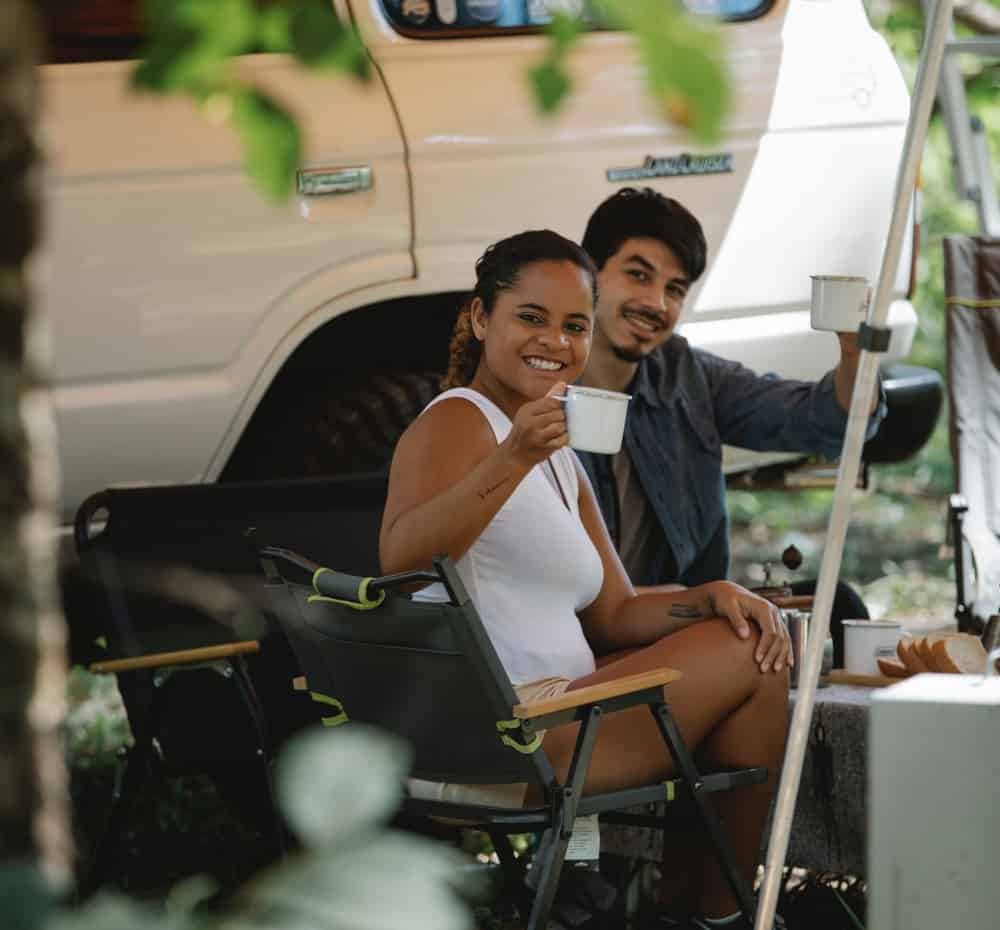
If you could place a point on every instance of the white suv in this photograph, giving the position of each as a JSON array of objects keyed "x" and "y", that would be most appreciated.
[{"x": 201, "y": 333}]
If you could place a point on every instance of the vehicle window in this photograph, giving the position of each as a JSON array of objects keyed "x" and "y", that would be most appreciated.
[
  {"x": 91, "y": 30},
  {"x": 448, "y": 18}
]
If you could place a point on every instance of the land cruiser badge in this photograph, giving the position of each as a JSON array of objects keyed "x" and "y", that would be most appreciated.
[{"x": 674, "y": 166}]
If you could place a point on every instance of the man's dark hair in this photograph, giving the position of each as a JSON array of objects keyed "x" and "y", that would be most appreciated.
[{"x": 646, "y": 214}]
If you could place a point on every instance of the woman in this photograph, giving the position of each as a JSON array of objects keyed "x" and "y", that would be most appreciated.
[{"x": 485, "y": 474}]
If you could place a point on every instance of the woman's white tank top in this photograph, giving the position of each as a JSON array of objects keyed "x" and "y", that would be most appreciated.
[{"x": 532, "y": 568}]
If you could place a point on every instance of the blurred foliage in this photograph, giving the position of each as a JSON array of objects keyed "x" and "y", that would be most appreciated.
[
  {"x": 192, "y": 47},
  {"x": 95, "y": 727},
  {"x": 354, "y": 873},
  {"x": 684, "y": 61}
]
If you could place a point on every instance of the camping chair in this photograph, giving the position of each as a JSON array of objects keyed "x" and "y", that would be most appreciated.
[
  {"x": 972, "y": 289},
  {"x": 428, "y": 673},
  {"x": 203, "y": 696},
  {"x": 179, "y": 651}
]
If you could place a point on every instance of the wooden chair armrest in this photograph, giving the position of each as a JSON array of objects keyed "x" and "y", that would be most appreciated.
[
  {"x": 179, "y": 657},
  {"x": 593, "y": 693}
]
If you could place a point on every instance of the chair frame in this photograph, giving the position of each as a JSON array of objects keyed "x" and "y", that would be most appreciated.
[
  {"x": 957, "y": 509},
  {"x": 564, "y": 801},
  {"x": 145, "y": 761}
]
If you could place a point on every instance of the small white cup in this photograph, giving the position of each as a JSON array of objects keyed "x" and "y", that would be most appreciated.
[
  {"x": 595, "y": 419},
  {"x": 839, "y": 303},
  {"x": 866, "y": 641}
]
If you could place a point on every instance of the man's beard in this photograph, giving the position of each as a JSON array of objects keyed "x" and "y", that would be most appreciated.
[{"x": 632, "y": 356}]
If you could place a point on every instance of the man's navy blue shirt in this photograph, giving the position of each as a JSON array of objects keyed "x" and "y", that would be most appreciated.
[{"x": 686, "y": 403}]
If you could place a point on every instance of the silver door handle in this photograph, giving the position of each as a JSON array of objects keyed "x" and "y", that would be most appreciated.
[{"x": 313, "y": 182}]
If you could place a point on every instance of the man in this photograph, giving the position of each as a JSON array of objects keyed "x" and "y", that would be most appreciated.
[{"x": 663, "y": 495}]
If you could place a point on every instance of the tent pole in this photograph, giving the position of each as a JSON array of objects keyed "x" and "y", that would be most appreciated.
[{"x": 935, "y": 33}]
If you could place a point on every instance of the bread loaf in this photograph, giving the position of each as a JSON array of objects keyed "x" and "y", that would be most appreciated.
[{"x": 961, "y": 652}]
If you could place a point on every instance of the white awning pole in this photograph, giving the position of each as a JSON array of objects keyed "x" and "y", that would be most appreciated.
[{"x": 935, "y": 34}]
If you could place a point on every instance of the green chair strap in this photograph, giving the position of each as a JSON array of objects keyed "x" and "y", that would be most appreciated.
[
  {"x": 364, "y": 602},
  {"x": 526, "y": 748},
  {"x": 337, "y": 719}
]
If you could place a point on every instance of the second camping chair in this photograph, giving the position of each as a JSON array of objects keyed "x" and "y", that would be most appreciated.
[
  {"x": 972, "y": 287},
  {"x": 428, "y": 673}
]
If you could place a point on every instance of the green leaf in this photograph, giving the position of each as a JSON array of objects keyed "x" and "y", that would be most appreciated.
[
  {"x": 191, "y": 41},
  {"x": 564, "y": 30},
  {"x": 274, "y": 28},
  {"x": 383, "y": 881},
  {"x": 684, "y": 62},
  {"x": 165, "y": 64},
  {"x": 272, "y": 145},
  {"x": 320, "y": 40},
  {"x": 551, "y": 83},
  {"x": 336, "y": 785}
]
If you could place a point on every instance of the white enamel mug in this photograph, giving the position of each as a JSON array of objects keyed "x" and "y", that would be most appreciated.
[
  {"x": 595, "y": 419},
  {"x": 867, "y": 641},
  {"x": 839, "y": 303}
]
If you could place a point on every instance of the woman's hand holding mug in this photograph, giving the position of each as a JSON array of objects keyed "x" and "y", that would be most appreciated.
[{"x": 539, "y": 429}]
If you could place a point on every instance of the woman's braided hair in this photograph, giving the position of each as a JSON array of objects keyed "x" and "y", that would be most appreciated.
[{"x": 497, "y": 270}]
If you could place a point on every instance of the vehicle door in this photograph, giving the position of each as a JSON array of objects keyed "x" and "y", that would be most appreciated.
[{"x": 171, "y": 281}]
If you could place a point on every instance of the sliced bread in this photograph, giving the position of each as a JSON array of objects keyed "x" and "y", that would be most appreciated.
[
  {"x": 906, "y": 649},
  {"x": 961, "y": 652},
  {"x": 892, "y": 668},
  {"x": 922, "y": 644}
]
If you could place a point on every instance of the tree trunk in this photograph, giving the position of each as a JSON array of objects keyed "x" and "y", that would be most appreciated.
[{"x": 33, "y": 798}]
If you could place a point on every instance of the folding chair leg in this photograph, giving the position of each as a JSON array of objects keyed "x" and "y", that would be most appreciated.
[
  {"x": 957, "y": 508},
  {"x": 244, "y": 685},
  {"x": 706, "y": 813},
  {"x": 513, "y": 870},
  {"x": 564, "y": 814},
  {"x": 137, "y": 767}
]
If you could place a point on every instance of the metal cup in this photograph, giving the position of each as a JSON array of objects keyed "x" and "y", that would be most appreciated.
[{"x": 797, "y": 622}]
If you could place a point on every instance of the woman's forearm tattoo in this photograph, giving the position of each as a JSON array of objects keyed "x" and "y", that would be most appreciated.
[
  {"x": 486, "y": 492},
  {"x": 684, "y": 612}
]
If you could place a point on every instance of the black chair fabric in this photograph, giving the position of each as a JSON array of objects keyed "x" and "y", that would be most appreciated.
[{"x": 425, "y": 672}]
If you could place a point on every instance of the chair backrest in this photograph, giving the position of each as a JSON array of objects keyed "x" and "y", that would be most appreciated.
[
  {"x": 176, "y": 535},
  {"x": 424, "y": 671},
  {"x": 202, "y": 525},
  {"x": 972, "y": 291}
]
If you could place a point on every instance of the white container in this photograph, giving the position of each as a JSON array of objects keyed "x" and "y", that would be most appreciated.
[
  {"x": 595, "y": 419},
  {"x": 933, "y": 816},
  {"x": 866, "y": 641},
  {"x": 839, "y": 303}
]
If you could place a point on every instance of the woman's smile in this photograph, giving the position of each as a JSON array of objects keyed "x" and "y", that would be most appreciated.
[{"x": 541, "y": 363}]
